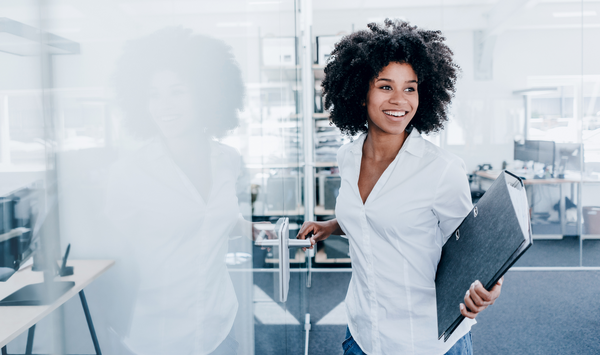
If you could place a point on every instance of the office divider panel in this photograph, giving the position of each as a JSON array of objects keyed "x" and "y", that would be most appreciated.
[{"x": 177, "y": 132}]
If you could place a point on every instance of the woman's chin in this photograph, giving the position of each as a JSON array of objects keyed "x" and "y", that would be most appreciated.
[{"x": 395, "y": 130}]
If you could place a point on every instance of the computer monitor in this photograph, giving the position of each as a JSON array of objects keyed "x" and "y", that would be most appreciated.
[
  {"x": 537, "y": 151},
  {"x": 25, "y": 228},
  {"x": 569, "y": 156},
  {"x": 19, "y": 228}
]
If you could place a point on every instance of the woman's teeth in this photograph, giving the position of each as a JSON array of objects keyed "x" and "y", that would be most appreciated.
[{"x": 395, "y": 113}]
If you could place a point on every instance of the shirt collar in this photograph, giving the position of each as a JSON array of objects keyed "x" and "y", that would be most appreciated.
[{"x": 414, "y": 143}]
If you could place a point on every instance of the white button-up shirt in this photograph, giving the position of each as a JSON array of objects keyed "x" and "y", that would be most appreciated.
[
  {"x": 396, "y": 239},
  {"x": 185, "y": 301}
]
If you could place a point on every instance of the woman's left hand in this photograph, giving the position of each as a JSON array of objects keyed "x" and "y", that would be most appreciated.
[{"x": 478, "y": 298}]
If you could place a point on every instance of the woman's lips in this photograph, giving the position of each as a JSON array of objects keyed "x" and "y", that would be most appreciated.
[{"x": 395, "y": 115}]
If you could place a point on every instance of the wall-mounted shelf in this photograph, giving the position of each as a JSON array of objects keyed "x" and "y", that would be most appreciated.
[
  {"x": 316, "y": 116},
  {"x": 270, "y": 213},
  {"x": 319, "y": 164},
  {"x": 321, "y": 258},
  {"x": 321, "y": 211},
  {"x": 275, "y": 165},
  {"x": 298, "y": 259}
]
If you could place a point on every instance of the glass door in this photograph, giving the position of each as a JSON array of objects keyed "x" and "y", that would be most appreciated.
[{"x": 177, "y": 127}]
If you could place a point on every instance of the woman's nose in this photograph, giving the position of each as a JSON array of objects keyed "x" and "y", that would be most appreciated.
[{"x": 398, "y": 99}]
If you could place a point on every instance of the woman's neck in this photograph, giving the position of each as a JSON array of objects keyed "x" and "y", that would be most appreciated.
[
  {"x": 189, "y": 146},
  {"x": 381, "y": 146}
]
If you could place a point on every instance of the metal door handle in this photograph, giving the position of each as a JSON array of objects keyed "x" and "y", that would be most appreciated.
[{"x": 282, "y": 229}]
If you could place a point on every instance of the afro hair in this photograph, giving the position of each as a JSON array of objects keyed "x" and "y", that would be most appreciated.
[{"x": 358, "y": 58}]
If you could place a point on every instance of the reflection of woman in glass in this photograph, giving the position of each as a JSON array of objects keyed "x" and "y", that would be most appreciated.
[
  {"x": 174, "y": 200},
  {"x": 401, "y": 196}
]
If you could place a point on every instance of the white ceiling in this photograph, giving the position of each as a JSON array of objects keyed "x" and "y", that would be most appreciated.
[{"x": 81, "y": 20}]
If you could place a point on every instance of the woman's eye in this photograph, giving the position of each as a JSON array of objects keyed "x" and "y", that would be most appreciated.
[
  {"x": 386, "y": 87},
  {"x": 410, "y": 89}
]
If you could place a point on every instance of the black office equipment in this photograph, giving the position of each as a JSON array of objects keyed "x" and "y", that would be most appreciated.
[
  {"x": 37, "y": 294},
  {"x": 488, "y": 242},
  {"x": 569, "y": 156},
  {"x": 332, "y": 190},
  {"x": 23, "y": 228},
  {"x": 7, "y": 214},
  {"x": 537, "y": 151},
  {"x": 42, "y": 293},
  {"x": 10, "y": 254},
  {"x": 64, "y": 269},
  {"x": 13, "y": 235}
]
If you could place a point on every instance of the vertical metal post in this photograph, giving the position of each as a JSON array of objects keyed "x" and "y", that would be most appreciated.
[
  {"x": 526, "y": 120},
  {"x": 30, "y": 335},
  {"x": 88, "y": 318},
  {"x": 50, "y": 243},
  {"x": 307, "y": 329},
  {"x": 308, "y": 87},
  {"x": 4, "y": 132},
  {"x": 562, "y": 210},
  {"x": 580, "y": 214},
  {"x": 4, "y": 352}
]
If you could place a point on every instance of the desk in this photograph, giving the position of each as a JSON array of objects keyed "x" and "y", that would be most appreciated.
[
  {"x": 493, "y": 174},
  {"x": 14, "y": 320}
]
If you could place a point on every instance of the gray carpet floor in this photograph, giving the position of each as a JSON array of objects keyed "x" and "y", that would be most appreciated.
[{"x": 539, "y": 312}]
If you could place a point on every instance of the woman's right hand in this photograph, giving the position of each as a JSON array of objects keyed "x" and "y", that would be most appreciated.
[{"x": 317, "y": 231}]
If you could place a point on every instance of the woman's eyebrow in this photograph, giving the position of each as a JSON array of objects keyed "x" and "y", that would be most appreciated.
[{"x": 391, "y": 81}]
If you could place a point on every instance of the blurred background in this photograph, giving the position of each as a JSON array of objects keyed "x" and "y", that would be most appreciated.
[{"x": 170, "y": 135}]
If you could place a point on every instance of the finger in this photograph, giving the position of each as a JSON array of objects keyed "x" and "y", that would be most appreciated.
[
  {"x": 475, "y": 295},
  {"x": 484, "y": 294},
  {"x": 301, "y": 231},
  {"x": 471, "y": 305},
  {"x": 310, "y": 237},
  {"x": 498, "y": 284},
  {"x": 466, "y": 313},
  {"x": 496, "y": 290},
  {"x": 305, "y": 230}
]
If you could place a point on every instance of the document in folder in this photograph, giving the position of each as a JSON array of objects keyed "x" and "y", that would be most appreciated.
[{"x": 488, "y": 242}]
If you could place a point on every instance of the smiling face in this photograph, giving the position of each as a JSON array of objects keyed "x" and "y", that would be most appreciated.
[
  {"x": 392, "y": 99},
  {"x": 171, "y": 105}
]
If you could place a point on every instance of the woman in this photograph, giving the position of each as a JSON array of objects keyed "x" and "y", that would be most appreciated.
[
  {"x": 401, "y": 196},
  {"x": 175, "y": 199}
]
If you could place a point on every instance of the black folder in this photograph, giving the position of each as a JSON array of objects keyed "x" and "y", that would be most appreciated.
[{"x": 490, "y": 239}]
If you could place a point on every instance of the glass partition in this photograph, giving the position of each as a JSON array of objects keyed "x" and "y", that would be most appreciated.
[
  {"x": 170, "y": 136},
  {"x": 29, "y": 210},
  {"x": 165, "y": 136}
]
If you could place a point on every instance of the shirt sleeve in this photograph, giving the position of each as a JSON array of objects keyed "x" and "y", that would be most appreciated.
[{"x": 453, "y": 198}]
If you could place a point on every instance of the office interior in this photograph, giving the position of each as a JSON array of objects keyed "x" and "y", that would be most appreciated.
[{"x": 98, "y": 101}]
